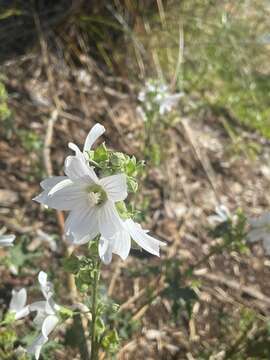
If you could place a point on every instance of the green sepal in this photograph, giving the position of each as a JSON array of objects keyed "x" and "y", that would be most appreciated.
[
  {"x": 65, "y": 313},
  {"x": 101, "y": 153}
]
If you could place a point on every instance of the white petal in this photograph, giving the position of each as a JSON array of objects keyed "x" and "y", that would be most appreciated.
[
  {"x": 36, "y": 346},
  {"x": 7, "y": 240},
  {"x": 49, "y": 324},
  {"x": 115, "y": 187},
  {"x": 102, "y": 246},
  {"x": 108, "y": 220},
  {"x": 81, "y": 225},
  {"x": 45, "y": 286},
  {"x": 65, "y": 195},
  {"x": 105, "y": 250},
  {"x": 43, "y": 308},
  {"x": 122, "y": 244},
  {"x": 66, "y": 183},
  {"x": 18, "y": 300},
  {"x": 223, "y": 212},
  {"x": 22, "y": 313},
  {"x": 50, "y": 182},
  {"x": 77, "y": 168},
  {"x": 42, "y": 278},
  {"x": 77, "y": 151},
  {"x": 38, "y": 305},
  {"x": 51, "y": 307},
  {"x": 96, "y": 131},
  {"x": 144, "y": 240}
]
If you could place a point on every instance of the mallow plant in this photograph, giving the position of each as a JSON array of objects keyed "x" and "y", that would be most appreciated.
[{"x": 94, "y": 192}]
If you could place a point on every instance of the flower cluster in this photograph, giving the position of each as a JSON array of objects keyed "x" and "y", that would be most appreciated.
[
  {"x": 95, "y": 202},
  {"x": 156, "y": 97},
  {"x": 48, "y": 313}
]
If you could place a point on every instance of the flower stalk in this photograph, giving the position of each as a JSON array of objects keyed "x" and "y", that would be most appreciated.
[{"x": 94, "y": 340}]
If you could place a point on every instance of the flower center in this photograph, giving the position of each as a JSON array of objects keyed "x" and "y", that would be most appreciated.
[{"x": 96, "y": 195}]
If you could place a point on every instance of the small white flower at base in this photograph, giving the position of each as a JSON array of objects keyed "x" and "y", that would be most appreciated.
[
  {"x": 17, "y": 304},
  {"x": 47, "y": 315},
  {"x": 91, "y": 202},
  {"x": 48, "y": 326},
  {"x": 260, "y": 230},
  {"x": 222, "y": 214},
  {"x": 7, "y": 240}
]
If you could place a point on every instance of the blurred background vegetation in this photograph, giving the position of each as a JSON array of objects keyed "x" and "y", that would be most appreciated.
[{"x": 217, "y": 52}]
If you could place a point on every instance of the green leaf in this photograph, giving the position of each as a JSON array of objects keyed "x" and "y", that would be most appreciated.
[
  {"x": 110, "y": 342},
  {"x": 100, "y": 326},
  {"x": 131, "y": 167},
  {"x": 117, "y": 159},
  {"x": 71, "y": 264},
  {"x": 132, "y": 185}
]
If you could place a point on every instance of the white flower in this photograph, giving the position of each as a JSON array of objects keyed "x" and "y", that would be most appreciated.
[
  {"x": 156, "y": 94},
  {"x": 222, "y": 215},
  {"x": 47, "y": 315},
  {"x": 120, "y": 243},
  {"x": 260, "y": 230},
  {"x": 91, "y": 200},
  {"x": 7, "y": 240},
  {"x": 17, "y": 304}
]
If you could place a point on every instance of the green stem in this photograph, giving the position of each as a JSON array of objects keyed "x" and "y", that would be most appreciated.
[{"x": 94, "y": 342}]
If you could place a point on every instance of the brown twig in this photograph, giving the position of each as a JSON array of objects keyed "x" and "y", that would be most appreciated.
[
  {"x": 48, "y": 142},
  {"x": 235, "y": 285}
]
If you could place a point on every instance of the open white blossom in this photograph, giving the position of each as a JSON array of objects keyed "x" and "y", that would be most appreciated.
[
  {"x": 7, "y": 240},
  {"x": 260, "y": 230},
  {"x": 17, "y": 304},
  {"x": 91, "y": 202},
  {"x": 47, "y": 315},
  {"x": 222, "y": 214}
]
